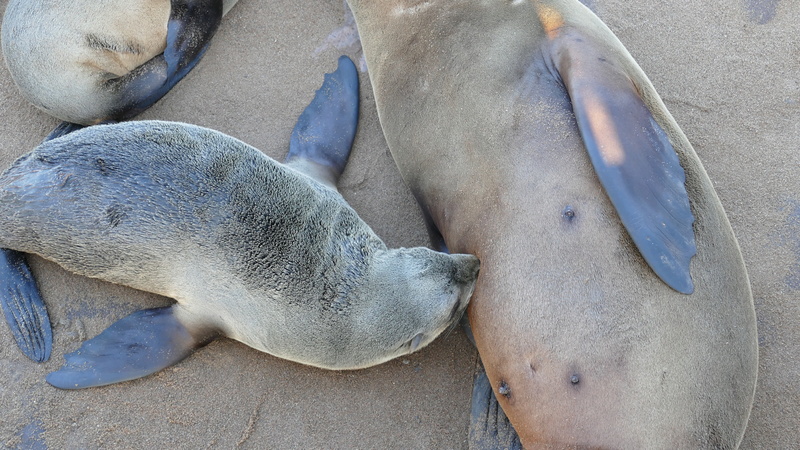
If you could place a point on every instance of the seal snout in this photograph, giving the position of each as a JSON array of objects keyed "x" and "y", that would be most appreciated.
[
  {"x": 465, "y": 274},
  {"x": 467, "y": 268}
]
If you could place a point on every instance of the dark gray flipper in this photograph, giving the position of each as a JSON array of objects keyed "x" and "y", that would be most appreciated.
[
  {"x": 22, "y": 304},
  {"x": 632, "y": 156},
  {"x": 133, "y": 347},
  {"x": 63, "y": 129},
  {"x": 23, "y": 307},
  {"x": 192, "y": 24},
  {"x": 489, "y": 428},
  {"x": 325, "y": 131}
]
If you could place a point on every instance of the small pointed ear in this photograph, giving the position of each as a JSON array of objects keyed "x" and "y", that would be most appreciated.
[
  {"x": 133, "y": 347},
  {"x": 631, "y": 154}
]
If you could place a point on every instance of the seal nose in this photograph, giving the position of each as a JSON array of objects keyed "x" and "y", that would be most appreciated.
[
  {"x": 467, "y": 268},
  {"x": 465, "y": 274}
]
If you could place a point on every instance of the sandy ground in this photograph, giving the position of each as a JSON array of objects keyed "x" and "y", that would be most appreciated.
[{"x": 728, "y": 72}]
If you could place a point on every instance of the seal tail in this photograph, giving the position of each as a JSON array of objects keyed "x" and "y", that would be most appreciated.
[
  {"x": 324, "y": 133},
  {"x": 23, "y": 307}
]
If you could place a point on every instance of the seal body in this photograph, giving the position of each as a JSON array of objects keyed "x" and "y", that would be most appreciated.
[
  {"x": 249, "y": 248},
  {"x": 85, "y": 62},
  {"x": 489, "y": 109}
]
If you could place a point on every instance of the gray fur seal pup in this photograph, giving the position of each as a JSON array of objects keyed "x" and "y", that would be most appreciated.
[
  {"x": 613, "y": 308},
  {"x": 87, "y": 62},
  {"x": 265, "y": 253}
]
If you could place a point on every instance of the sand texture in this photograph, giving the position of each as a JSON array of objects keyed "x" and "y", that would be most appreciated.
[{"x": 728, "y": 72}]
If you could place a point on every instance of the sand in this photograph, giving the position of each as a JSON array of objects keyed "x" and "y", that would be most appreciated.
[{"x": 728, "y": 72}]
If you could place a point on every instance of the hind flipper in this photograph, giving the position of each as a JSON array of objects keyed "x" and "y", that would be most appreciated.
[
  {"x": 324, "y": 133},
  {"x": 489, "y": 428},
  {"x": 65, "y": 128},
  {"x": 192, "y": 24},
  {"x": 631, "y": 154},
  {"x": 133, "y": 347},
  {"x": 23, "y": 307}
]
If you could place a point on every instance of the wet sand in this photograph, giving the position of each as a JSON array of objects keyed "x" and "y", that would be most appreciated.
[{"x": 728, "y": 72}]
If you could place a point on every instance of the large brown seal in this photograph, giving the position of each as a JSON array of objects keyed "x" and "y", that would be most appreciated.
[
  {"x": 86, "y": 62},
  {"x": 265, "y": 253},
  {"x": 532, "y": 139}
]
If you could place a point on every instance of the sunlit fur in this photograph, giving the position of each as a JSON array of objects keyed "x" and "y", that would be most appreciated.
[{"x": 248, "y": 247}]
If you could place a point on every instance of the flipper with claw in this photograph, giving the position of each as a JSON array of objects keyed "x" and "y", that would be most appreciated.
[
  {"x": 23, "y": 307},
  {"x": 489, "y": 428}
]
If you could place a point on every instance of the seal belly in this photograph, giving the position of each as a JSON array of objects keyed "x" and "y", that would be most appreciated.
[
  {"x": 581, "y": 356},
  {"x": 546, "y": 309},
  {"x": 583, "y": 343}
]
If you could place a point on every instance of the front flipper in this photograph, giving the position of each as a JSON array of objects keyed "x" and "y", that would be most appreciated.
[
  {"x": 632, "y": 156},
  {"x": 23, "y": 307},
  {"x": 324, "y": 133},
  {"x": 133, "y": 347},
  {"x": 192, "y": 24},
  {"x": 489, "y": 428}
]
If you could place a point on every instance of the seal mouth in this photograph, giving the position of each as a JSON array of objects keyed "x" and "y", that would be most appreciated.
[
  {"x": 465, "y": 297},
  {"x": 455, "y": 316},
  {"x": 459, "y": 307},
  {"x": 454, "y": 312}
]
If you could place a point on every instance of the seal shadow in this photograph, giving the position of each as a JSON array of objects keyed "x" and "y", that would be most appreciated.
[
  {"x": 793, "y": 225},
  {"x": 761, "y": 11}
]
